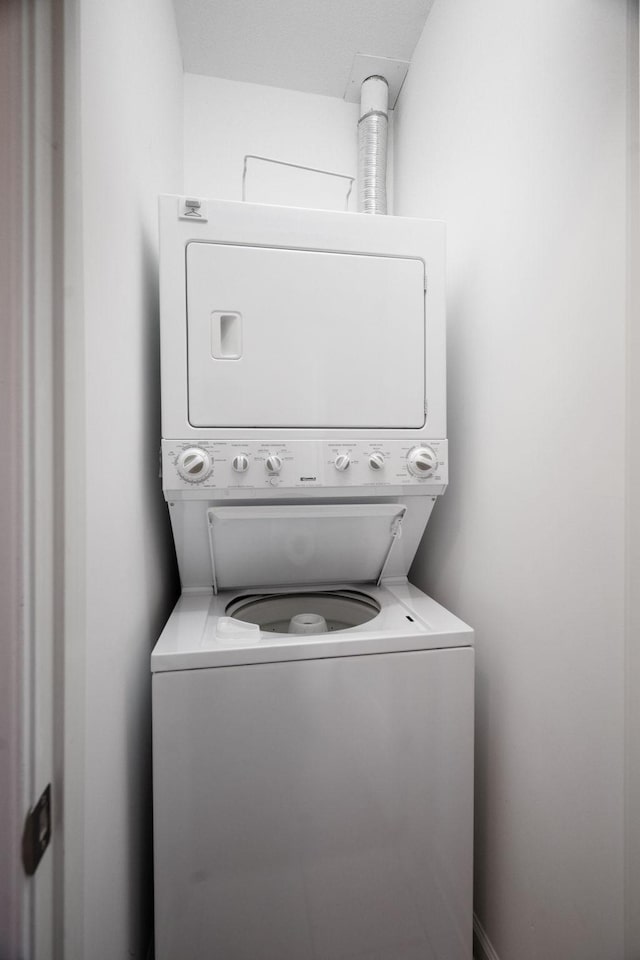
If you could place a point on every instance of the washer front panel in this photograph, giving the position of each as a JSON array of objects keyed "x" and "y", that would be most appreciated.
[{"x": 319, "y": 809}]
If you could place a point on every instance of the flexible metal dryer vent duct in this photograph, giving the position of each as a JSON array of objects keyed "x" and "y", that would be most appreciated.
[{"x": 372, "y": 146}]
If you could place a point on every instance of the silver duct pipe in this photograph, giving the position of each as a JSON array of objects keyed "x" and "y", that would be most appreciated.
[{"x": 372, "y": 146}]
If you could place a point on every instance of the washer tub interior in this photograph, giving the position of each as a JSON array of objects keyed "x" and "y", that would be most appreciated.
[{"x": 305, "y": 612}]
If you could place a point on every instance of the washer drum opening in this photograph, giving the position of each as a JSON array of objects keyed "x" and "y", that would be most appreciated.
[{"x": 340, "y": 609}]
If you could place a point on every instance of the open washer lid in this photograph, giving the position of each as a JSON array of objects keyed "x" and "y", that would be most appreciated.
[{"x": 298, "y": 545}]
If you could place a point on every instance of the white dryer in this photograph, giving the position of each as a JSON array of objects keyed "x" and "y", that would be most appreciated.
[{"x": 312, "y": 710}]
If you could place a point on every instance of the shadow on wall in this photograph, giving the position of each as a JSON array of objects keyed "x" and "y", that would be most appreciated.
[
  {"x": 160, "y": 550},
  {"x": 435, "y": 563}
]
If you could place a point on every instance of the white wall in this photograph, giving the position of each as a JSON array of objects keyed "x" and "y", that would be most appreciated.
[
  {"x": 632, "y": 671},
  {"x": 131, "y": 149},
  {"x": 13, "y": 765},
  {"x": 511, "y": 127},
  {"x": 224, "y": 120}
]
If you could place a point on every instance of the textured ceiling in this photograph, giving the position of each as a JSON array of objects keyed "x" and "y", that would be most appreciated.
[{"x": 306, "y": 45}]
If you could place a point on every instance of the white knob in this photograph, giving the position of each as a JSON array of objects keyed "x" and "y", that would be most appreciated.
[
  {"x": 273, "y": 464},
  {"x": 342, "y": 461},
  {"x": 376, "y": 461},
  {"x": 194, "y": 465},
  {"x": 421, "y": 461},
  {"x": 240, "y": 463}
]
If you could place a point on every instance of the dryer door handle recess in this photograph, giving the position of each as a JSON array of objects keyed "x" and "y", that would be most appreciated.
[{"x": 226, "y": 335}]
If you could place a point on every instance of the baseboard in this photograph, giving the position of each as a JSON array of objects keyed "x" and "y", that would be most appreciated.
[{"x": 482, "y": 946}]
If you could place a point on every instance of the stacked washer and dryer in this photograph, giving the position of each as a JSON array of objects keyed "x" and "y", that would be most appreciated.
[{"x": 312, "y": 709}]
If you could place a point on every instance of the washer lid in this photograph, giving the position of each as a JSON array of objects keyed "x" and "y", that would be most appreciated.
[{"x": 298, "y": 545}]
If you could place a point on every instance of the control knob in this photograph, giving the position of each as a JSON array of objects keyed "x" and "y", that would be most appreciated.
[
  {"x": 240, "y": 463},
  {"x": 194, "y": 465},
  {"x": 376, "y": 461},
  {"x": 342, "y": 462},
  {"x": 273, "y": 464},
  {"x": 421, "y": 461}
]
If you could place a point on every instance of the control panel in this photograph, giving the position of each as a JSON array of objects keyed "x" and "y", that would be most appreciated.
[{"x": 238, "y": 465}]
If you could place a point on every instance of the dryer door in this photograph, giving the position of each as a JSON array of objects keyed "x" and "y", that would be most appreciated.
[{"x": 299, "y": 338}]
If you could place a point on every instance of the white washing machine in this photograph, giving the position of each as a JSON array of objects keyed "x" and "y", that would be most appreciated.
[{"x": 312, "y": 710}]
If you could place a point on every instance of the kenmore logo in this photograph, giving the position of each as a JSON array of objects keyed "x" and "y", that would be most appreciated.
[{"x": 308, "y": 478}]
